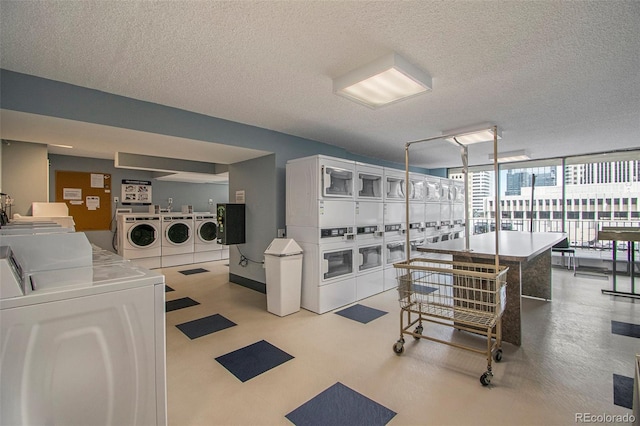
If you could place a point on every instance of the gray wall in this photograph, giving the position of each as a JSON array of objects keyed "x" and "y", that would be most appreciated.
[
  {"x": 195, "y": 194},
  {"x": 24, "y": 174},
  {"x": 257, "y": 178}
]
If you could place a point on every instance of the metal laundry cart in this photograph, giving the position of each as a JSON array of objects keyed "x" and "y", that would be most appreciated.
[{"x": 467, "y": 296}]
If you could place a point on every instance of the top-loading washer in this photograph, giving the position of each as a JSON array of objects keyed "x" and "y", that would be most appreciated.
[
  {"x": 139, "y": 238},
  {"x": 79, "y": 345},
  {"x": 177, "y": 239},
  {"x": 206, "y": 247}
]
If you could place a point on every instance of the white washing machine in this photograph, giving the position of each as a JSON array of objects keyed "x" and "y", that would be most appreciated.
[
  {"x": 83, "y": 345},
  {"x": 139, "y": 239},
  {"x": 206, "y": 247},
  {"x": 177, "y": 239}
]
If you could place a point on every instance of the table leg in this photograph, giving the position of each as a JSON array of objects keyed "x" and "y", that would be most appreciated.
[{"x": 615, "y": 260}]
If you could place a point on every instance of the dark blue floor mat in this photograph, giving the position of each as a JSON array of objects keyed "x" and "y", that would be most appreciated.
[
  {"x": 340, "y": 405},
  {"x": 203, "y": 326},
  {"x": 253, "y": 360},
  {"x": 193, "y": 271},
  {"x": 361, "y": 313},
  {"x": 185, "y": 302},
  {"x": 423, "y": 289},
  {"x": 623, "y": 391},
  {"x": 625, "y": 329},
  {"x": 168, "y": 289}
]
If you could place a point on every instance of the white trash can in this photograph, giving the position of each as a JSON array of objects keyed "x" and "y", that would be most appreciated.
[{"x": 283, "y": 264}]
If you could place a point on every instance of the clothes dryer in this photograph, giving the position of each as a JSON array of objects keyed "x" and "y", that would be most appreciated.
[
  {"x": 394, "y": 251},
  {"x": 206, "y": 247},
  {"x": 328, "y": 276},
  {"x": 177, "y": 239},
  {"x": 87, "y": 344},
  {"x": 139, "y": 239}
]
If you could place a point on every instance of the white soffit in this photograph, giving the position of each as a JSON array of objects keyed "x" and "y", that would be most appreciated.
[{"x": 100, "y": 141}]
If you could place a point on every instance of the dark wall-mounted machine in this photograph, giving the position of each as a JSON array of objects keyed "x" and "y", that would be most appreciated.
[{"x": 231, "y": 223}]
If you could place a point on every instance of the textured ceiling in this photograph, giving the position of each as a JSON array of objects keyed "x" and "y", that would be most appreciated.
[{"x": 558, "y": 77}]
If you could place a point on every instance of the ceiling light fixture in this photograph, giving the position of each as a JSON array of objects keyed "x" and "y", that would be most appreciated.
[
  {"x": 60, "y": 146},
  {"x": 384, "y": 81},
  {"x": 471, "y": 135},
  {"x": 509, "y": 156}
]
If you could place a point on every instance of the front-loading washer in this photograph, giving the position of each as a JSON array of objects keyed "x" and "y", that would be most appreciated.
[
  {"x": 139, "y": 239},
  {"x": 206, "y": 247},
  {"x": 177, "y": 239}
]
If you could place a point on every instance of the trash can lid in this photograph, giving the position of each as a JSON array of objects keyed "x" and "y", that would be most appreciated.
[{"x": 283, "y": 247}]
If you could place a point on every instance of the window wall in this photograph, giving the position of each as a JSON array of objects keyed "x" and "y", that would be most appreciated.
[{"x": 576, "y": 195}]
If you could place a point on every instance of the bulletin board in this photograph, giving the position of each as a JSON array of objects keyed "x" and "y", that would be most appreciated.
[{"x": 88, "y": 197}]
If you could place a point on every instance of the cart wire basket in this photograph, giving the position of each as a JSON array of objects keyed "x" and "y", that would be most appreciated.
[{"x": 466, "y": 296}]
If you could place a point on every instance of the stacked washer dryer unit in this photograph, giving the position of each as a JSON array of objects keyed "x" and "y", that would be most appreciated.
[
  {"x": 321, "y": 219},
  {"x": 206, "y": 247},
  {"x": 139, "y": 239},
  {"x": 369, "y": 214},
  {"x": 82, "y": 343},
  {"x": 395, "y": 221},
  {"x": 177, "y": 239}
]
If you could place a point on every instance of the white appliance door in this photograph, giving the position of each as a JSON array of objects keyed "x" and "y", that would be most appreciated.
[
  {"x": 369, "y": 186},
  {"x": 370, "y": 257},
  {"x": 395, "y": 252},
  {"x": 337, "y": 182},
  {"x": 395, "y": 188},
  {"x": 208, "y": 233},
  {"x": 178, "y": 233},
  {"x": 142, "y": 235},
  {"x": 432, "y": 190},
  {"x": 82, "y": 361},
  {"x": 337, "y": 263}
]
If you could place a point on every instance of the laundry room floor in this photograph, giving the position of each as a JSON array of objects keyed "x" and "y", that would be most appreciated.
[{"x": 230, "y": 362}]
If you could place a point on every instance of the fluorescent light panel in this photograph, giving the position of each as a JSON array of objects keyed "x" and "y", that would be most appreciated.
[
  {"x": 384, "y": 81},
  {"x": 509, "y": 156},
  {"x": 467, "y": 136},
  {"x": 60, "y": 146}
]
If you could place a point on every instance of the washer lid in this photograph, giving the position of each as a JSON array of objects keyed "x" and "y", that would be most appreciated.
[{"x": 61, "y": 284}]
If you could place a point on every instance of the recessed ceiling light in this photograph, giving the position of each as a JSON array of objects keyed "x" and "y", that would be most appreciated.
[{"x": 60, "y": 146}]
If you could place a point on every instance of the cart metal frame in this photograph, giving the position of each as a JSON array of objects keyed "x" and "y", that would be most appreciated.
[
  {"x": 465, "y": 296},
  {"x": 431, "y": 268}
]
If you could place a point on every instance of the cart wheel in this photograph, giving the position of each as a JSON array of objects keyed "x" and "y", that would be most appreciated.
[
  {"x": 398, "y": 347},
  {"x": 418, "y": 330},
  {"x": 485, "y": 379},
  {"x": 497, "y": 355}
]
